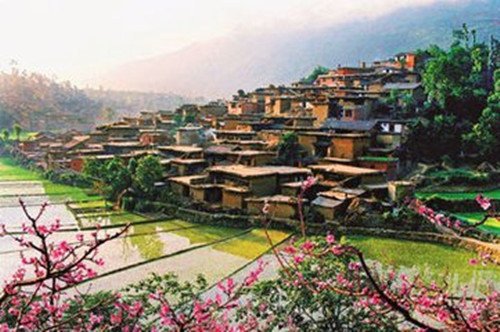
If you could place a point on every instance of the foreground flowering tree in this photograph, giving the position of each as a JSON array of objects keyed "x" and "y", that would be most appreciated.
[{"x": 322, "y": 285}]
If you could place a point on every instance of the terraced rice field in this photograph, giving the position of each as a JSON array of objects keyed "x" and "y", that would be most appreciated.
[
  {"x": 187, "y": 249},
  {"x": 428, "y": 259},
  {"x": 492, "y": 225},
  {"x": 493, "y": 194}
]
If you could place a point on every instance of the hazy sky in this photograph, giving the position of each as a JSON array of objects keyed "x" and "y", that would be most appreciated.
[{"x": 78, "y": 39}]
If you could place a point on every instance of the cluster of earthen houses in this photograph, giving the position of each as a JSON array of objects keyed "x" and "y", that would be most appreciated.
[{"x": 226, "y": 156}]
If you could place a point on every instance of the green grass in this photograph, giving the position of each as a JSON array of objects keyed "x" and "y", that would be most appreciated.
[
  {"x": 493, "y": 194},
  {"x": 429, "y": 259},
  {"x": 251, "y": 245},
  {"x": 10, "y": 171},
  {"x": 72, "y": 193},
  {"x": 492, "y": 225},
  {"x": 90, "y": 205}
]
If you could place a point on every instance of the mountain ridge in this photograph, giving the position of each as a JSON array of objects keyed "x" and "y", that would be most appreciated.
[{"x": 218, "y": 68}]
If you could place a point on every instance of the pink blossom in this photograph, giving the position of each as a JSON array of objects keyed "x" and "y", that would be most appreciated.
[
  {"x": 473, "y": 261},
  {"x": 298, "y": 259},
  {"x": 330, "y": 239},
  {"x": 484, "y": 202},
  {"x": 308, "y": 183}
]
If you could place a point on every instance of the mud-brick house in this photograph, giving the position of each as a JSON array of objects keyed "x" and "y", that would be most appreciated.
[
  {"x": 180, "y": 185},
  {"x": 316, "y": 143},
  {"x": 355, "y": 107},
  {"x": 389, "y": 165},
  {"x": 183, "y": 167},
  {"x": 121, "y": 131},
  {"x": 390, "y": 133},
  {"x": 279, "y": 206},
  {"x": 244, "y": 106},
  {"x": 154, "y": 137},
  {"x": 213, "y": 108},
  {"x": 251, "y": 157},
  {"x": 78, "y": 156},
  {"x": 271, "y": 136},
  {"x": 118, "y": 148},
  {"x": 349, "y": 146},
  {"x": 189, "y": 135},
  {"x": 322, "y": 110},
  {"x": 350, "y": 175},
  {"x": 239, "y": 182},
  {"x": 147, "y": 119},
  {"x": 327, "y": 207},
  {"x": 414, "y": 89},
  {"x": 234, "y": 135},
  {"x": 57, "y": 153},
  {"x": 278, "y": 105},
  {"x": 218, "y": 154},
  {"x": 35, "y": 143},
  {"x": 165, "y": 115},
  {"x": 98, "y": 136},
  {"x": 165, "y": 124},
  {"x": 251, "y": 145},
  {"x": 179, "y": 151}
]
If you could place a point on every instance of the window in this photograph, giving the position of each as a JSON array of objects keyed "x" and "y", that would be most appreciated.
[{"x": 348, "y": 113}]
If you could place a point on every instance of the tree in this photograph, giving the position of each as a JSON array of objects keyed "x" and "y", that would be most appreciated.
[
  {"x": 432, "y": 139},
  {"x": 402, "y": 105},
  {"x": 117, "y": 177},
  {"x": 148, "y": 172},
  {"x": 110, "y": 178},
  {"x": 5, "y": 135},
  {"x": 290, "y": 152},
  {"x": 457, "y": 78},
  {"x": 190, "y": 118},
  {"x": 318, "y": 70},
  {"x": 16, "y": 129},
  {"x": 484, "y": 138}
]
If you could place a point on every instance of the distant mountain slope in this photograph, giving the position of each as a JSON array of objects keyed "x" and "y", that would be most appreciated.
[{"x": 220, "y": 67}]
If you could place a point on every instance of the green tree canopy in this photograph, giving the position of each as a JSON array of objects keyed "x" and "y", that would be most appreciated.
[
  {"x": 16, "y": 128},
  {"x": 484, "y": 138},
  {"x": 290, "y": 152},
  {"x": 148, "y": 171},
  {"x": 318, "y": 70}
]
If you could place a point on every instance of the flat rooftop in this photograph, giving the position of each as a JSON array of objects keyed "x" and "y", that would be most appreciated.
[
  {"x": 248, "y": 171},
  {"x": 345, "y": 169},
  {"x": 181, "y": 148}
]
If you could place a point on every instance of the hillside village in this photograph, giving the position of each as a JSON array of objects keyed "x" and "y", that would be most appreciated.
[{"x": 224, "y": 154}]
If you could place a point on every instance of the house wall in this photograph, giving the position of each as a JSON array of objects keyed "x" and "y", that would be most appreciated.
[
  {"x": 392, "y": 140},
  {"x": 320, "y": 112},
  {"x": 390, "y": 167},
  {"x": 348, "y": 147},
  {"x": 197, "y": 194},
  {"x": 77, "y": 164},
  {"x": 179, "y": 189},
  {"x": 232, "y": 200},
  {"x": 290, "y": 191},
  {"x": 307, "y": 142},
  {"x": 263, "y": 186},
  {"x": 327, "y": 213},
  {"x": 190, "y": 137},
  {"x": 231, "y": 124},
  {"x": 373, "y": 178}
]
